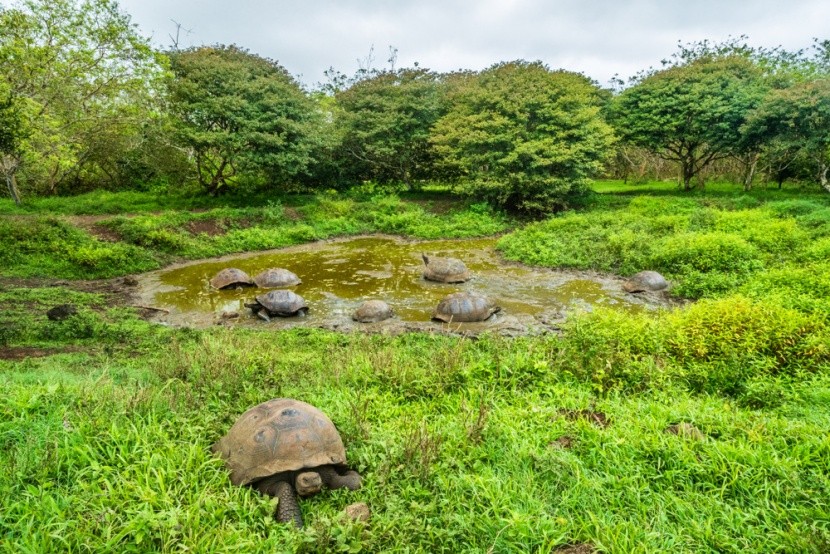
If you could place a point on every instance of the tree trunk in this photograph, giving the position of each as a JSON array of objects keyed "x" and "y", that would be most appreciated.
[
  {"x": 749, "y": 170},
  {"x": 687, "y": 172},
  {"x": 10, "y": 164},
  {"x": 822, "y": 175}
]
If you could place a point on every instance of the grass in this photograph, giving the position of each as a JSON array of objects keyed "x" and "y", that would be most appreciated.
[
  {"x": 43, "y": 245},
  {"x": 456, "y": 440},
  {"x": 487, "y": 445}
]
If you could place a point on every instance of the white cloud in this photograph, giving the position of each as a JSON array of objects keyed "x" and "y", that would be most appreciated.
[{"x": 598, "y": 38}]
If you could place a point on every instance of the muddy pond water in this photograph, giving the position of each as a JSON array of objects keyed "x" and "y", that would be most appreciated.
[{"x": 338, "y": 275}]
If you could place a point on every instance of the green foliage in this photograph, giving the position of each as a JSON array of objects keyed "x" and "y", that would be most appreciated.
[
  {"x": 706, "y": 245},
  {"x": 50, "y": 247},
  {"x": 805, "y": 287},
  {"x": 385, "y": 121},
  {"x": 83, "y": 81},
  {"x": 796, "y": 120},
  {"x": 522, "y": 136},
  {"x": 430, "y": 422},
  {"x": 241, "y": 114},
  {"x": 692, "y": 113}
]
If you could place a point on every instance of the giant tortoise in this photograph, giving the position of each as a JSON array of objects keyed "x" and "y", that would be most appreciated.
[
  {"x": 464, "y": 307},
  {"x": 445, "y": 270},
  {"x": 284, "y": 446},
  {"x": 231, "y": 277},
  {"x": 283, "y": 303}
]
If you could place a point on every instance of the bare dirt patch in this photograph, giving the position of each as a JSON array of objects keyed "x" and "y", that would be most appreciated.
[
  {"x": 292, "y": 213},
  {"x": 120, "y": 291},
  {"x": 209, "y": 227},
  {"x": 92, "y": 225},
  {"x": 23, "y": 352},
  {"x": 564, "y": 442},
  {"x": 597, "y": 418}
]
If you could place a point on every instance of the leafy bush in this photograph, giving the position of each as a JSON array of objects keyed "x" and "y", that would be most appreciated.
[
  {"x": 803, "y": 287},
  {"x": 705, "y": 252},
  {"x": 744, "y": 338}
]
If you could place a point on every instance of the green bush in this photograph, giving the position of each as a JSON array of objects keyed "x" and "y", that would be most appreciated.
[
  {"x": 748, "y": 336},
  {"x": 802, "y": 287},
  {"x": 705, "y": 252}
]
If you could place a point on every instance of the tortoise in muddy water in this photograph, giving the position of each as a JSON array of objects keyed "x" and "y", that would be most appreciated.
[
  {"x": 284, "y": 447},
  {"x": 445, "y": 270},
  {"x": 464, "y": 307},
  {"x": 283, "y": 303},
  {"x": 276, "y": 278},
  {"x": 373, "y": 311},
  {"x": 645, "y": 281},
  {"x": 231, "y": 277}
]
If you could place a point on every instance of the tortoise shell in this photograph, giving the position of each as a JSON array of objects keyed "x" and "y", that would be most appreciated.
[
  {"x": 445, "y": 270},
  {"x": 277, "y": 436},
  {"x": 645, "y": 281},
  {"x": 231, "y": 277},
  {"x": 276, "y": 278},
  {"x": 464, "y": 307},
  {"x": 281, "y": 302},
  {"x": 373, "y": 311}
]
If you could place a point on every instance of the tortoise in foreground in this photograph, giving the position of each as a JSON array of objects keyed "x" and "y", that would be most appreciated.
[
  {"x": 645, "y": 281},
  {"x": 282, "y": 447},
  {"x": 231, "y": 277},
  {"x": 373, "y": 311},
  {"x": 445, "y": 270},
  {"x": 276, "y": 278},
  {"x": 283, "y": 303},
  {"x": 464, "y": 307}
]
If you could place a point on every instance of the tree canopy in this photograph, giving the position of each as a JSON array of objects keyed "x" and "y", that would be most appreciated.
[
  {"x": 691, "y": 114},
  {"x": 81, "y": 79},
  {"x": 239, "y": 113},
  {"x": 523, "y": 136},
  {"x": 385, "y": 121}
]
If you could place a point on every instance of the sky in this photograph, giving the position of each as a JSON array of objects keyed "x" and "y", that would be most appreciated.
[{"x": 599, "y": 38}]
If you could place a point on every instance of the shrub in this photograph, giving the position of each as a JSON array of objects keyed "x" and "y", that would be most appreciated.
[
  {"x": 742, "y": 333},
  {"x": 705, "y": 252}
]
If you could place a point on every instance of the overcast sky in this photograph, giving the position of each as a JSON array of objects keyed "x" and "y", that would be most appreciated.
[{"x": 598, "y": 38}]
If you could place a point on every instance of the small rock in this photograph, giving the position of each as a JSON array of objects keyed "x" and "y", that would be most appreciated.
[
  {"x": 61, "y": 312},
  {"x": 562, "y": 442},
  {"x": 229, "y": 315},
  {"x": 359, "y": 511},
  {"x": 686, "y": 430},
  {"x": 130, "y": 281}
]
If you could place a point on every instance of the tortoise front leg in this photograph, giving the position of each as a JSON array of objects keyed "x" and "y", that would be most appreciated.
[
  {"x": 287, "y": 509},
  {"x": 333, "y": 480}
]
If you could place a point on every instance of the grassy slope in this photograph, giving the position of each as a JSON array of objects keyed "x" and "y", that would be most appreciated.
[
  {"x": 43, "y": 244},
  {"x": 105, "y": 447}
]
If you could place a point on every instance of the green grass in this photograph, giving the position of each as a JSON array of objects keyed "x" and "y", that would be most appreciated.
[
  {"x": 104, "y": 445},
  {"x": 455, "y": 440},
  {"x": 42, "y": 245},
  {"x": 707, "y": 245}
]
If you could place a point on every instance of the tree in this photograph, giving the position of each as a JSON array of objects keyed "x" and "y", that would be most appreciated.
[
  {"x": 797, "y": 120},
  {"x": 691, "y": 113},
  {"x": 522, "y": 136},
  {"x": 385, "y": 122},
  {"x": 240, "y": 114},
  {"x": 76, "y": 71}
]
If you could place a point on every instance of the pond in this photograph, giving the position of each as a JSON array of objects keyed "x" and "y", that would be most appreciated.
[{"x": 338, "y": 275}]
